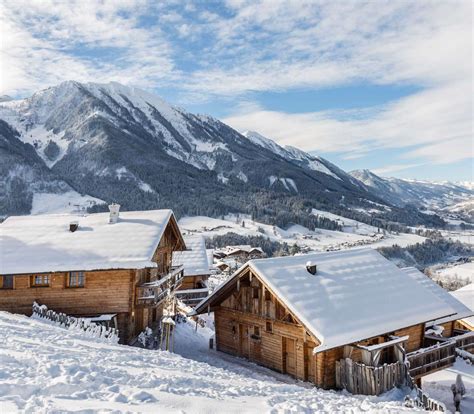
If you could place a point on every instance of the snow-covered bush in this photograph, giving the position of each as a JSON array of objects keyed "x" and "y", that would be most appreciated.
[{"x": 147, "y": 339}]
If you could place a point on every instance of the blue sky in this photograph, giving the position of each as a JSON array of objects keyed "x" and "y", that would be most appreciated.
[{"x": 383, "y": 85}]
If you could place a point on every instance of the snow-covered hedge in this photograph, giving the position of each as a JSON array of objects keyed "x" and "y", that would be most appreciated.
[{"x": 85, "y": 326}]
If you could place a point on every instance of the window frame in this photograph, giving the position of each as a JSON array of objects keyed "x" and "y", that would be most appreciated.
[
  {"x": 255, "y": 292},
  {"x": 43, "y": 277},
  {"x": 269, "y": 324},
  {"x": 2, "y": 285},
  {"x": 78, "y": 276}
]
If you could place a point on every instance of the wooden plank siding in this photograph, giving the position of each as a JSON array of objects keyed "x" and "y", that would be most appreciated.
[
  {"x": 105, "y": 291},
  {"x": 191, "y": 282}
]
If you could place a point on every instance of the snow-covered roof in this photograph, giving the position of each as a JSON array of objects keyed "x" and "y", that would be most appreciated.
[
  {"x": 466, "y": 296},
  {"x": 194, "y": 258},
  {"x": 462, "y": 311},
  {"x": 43, "y": 243},
  {"x": 210, "y": 258},
  {"x": 355, "y": 295}
]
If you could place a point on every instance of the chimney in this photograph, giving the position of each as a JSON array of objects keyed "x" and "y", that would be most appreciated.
[
  {"x": 311, "y": 267},
  {"x": 73, "y": 226},
  {"x": 114, "y": 212}
]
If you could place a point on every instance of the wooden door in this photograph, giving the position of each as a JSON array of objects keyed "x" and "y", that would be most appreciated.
[
  {"x": 138, "y": 321},
  {"x": 310, "y": 365},
  {"x": 289, "y": 346},
  {"x": 244, "y": 333}
]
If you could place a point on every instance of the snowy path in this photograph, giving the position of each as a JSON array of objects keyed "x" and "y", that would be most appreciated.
[{"x": 46, "y": 369}]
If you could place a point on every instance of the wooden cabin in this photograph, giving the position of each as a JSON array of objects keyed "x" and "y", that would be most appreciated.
[
  {"x": 196, "y": 270},
  {"x": 117, "y": 264},
  {"x": 329, "y": 318}
]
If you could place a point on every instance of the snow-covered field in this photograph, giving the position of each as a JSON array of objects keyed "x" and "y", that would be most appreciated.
[
  {"x": 354, "y": 234},
  {"x": 50, "y": 203},
  {"x": 461, "y": 271},
  {"x": 438, "y": 385},
  {"x": 47, "y": 369},
  {"x": 466, "y": 236}
]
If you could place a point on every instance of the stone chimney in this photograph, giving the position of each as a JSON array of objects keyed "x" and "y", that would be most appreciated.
[
  {"x": 311, "y": 267},
  {"x": 114, "y": 209}
]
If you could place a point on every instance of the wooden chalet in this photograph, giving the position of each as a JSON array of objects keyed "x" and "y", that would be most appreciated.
[
  {"x": 117, "y": 264},
  {"x": 196, "y": 270},
  {"x": 345, "y": 319}
]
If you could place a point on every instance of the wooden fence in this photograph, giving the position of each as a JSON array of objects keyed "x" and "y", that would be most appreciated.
[
  {"x": 364, "y": 379},
  {"x": 426, "y": 360},
  {"x": 89, "y": 328},
  {"x": 421, "y": 399},
  {"x": 465, "y": 355},
  {"x": 465, "y": 341}
]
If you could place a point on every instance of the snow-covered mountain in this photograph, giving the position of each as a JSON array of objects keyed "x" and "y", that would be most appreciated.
[
  {"x": 299, "y": 157},
  {"x": 423, "y": 194},
  {"x": 119, "y": 143}
]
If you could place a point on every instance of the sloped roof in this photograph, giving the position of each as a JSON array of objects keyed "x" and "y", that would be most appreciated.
[
  {"x": 356, "y": 294},
  {"x": 466, "y": 296},
  {"x": 194, "y": 258},
  {"x": 462, "y": 311},
  {"x": 43, "y": 243}
]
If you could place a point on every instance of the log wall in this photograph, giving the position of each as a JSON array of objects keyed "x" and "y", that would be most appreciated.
[{"x": 106, "y": 291}]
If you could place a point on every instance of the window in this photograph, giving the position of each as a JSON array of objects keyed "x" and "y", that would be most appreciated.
[
  {"x": 256, "y": 333},
  {"x": 6, "y": 282},
  {"x": 268, "y": 295},
  {"x": 76, "y": 279},
  {"x": 40, "y": 281},
  {"x": 268, "y": 326},
  {"x": 255, "y": 292}
]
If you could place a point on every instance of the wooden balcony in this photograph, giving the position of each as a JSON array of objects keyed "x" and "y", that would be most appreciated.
[
  {"x": 424, "y": 361},
  {"x": 192, "y": 297},
  {"x": 152, "y": 293}
]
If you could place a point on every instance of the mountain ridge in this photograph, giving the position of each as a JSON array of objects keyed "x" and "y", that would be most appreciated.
[{"x": 119, "y": 143}]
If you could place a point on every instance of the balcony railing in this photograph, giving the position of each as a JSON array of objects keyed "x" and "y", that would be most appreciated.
[
  {"x": 436, "y": 357},
  {"x": 192, "y": 297},
  {"x": 152, "y": 293}
]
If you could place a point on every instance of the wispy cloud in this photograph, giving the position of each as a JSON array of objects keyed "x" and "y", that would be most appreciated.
[
  {"x": 45, "y": 42},
  {"x": 390, "y": 169},
  {"x": 438, "y": 121}
]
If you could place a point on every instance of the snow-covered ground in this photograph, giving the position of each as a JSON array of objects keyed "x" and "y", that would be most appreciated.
[
  {"x": 47, "y": 369},
  {"x": 438, "y": 385},
  {"x": 354, "y": 234},
  {"x": 461, "y": 271},
  {"x": 465, "y": 236},
  {"x": 71, "y": 201}
]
